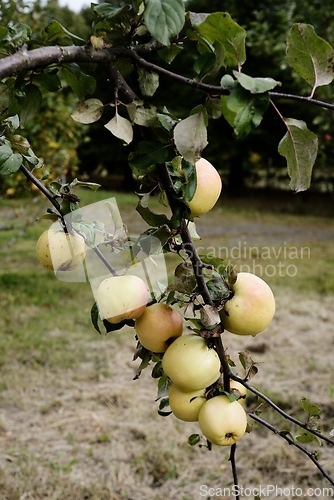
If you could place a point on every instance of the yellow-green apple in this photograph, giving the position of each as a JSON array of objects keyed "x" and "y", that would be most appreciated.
[
  {"x": 221, "y": 421},
  {"x": 251, "y": 308},
  {"x": 158, "y": 327},
  {"x": 190, "y": 363},
  {"x": 60, "y": 251},
  {"x": 121, "y": 297},
  {"x": 185, "y": 405},
  {"x": 208, "y": 188}
]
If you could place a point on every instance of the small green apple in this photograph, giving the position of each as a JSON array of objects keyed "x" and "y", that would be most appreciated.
[{"x": 221, "y": 421}]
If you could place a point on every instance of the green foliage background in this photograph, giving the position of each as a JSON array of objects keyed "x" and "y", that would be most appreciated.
[{"x": 66, "y": 145}]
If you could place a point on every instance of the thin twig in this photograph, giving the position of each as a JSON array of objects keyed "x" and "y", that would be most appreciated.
[
  {"x": 234, "y": 469},
  {"x": 216, "y": 89},
  {"x": 104, "y": 260},
  {"x": 311, "y": 455},
  {"x": 280, "y": 411},
  {"x": 43, "y": 189}
]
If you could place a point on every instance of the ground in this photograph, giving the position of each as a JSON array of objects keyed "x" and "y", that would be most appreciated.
[{"x": 75, "y": 425}]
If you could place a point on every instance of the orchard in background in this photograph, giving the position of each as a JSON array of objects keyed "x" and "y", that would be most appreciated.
[{"x": 178, "y": 329}]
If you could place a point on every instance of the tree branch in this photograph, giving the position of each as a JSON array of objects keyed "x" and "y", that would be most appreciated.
[
  {"x": 311, "y": 455},
  {"x": 47, "y": 193},
  {"x": 280, "y": 411},
  {"x": 46, "y": 56}
]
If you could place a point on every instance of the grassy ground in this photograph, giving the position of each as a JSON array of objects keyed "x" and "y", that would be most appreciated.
[{"x": 74, "y": 424}]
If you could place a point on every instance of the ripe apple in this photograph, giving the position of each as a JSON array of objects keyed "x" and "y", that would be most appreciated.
[
  {"x": 222, "y": 422},
  {"x": 158, "y": 327},
  {"x": 208, "y": 189},
  {"x": 190, "y": 363},
  {"x": 121, "y": 297},
  {"x": 60, "y": 251},
  {"x": 185, "y": 405},
  {"x": 251, "y": 308}
]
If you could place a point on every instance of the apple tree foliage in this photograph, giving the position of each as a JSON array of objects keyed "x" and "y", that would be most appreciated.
[{"x": 134, "y": 43}]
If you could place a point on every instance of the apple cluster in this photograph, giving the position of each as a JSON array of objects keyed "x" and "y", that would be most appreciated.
[{"x": 192, "y": 365}]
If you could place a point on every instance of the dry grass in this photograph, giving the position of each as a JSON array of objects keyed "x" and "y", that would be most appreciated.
[{"x": 74, "y": 424}]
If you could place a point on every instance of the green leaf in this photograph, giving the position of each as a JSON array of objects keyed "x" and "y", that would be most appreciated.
[
  {"x": 55, "y": 187},
  {"x": 184, "y": 278},
  {"x": 110, "y": 11},
  {"x": 157, "y": 371},
  {"x": 216, "y": 262},
  {"x": 220, "y": 27},
  {"x": 49, "y": 216},
  {"x": 164, "y": 19},
  {"x": 306, "y": 437},
  {"x": 3, "y": 32},
  {"x": 312, "y": 409},
  {"x": 248, "y": 364},
  {"x": 151, "y": 218},
  {"x": 163, "y": 386},
  {"x": 143, "y": 116},
  {"x": 299, "y": 146},
  {"x": 148, "y": 82},
  {"x": 190, "y": 184},
  {"x": 121, "y": 128},
  {"x": 228, "y": 114},
  {"x": 255, "y": 85},
  {"x": 164, "y": 403},
  {"x": 113, "y": 327},
  {"x": 87, "y": 231},
  {"x": 227, "y": 82},
  {"x": 190, "y": 136},
  {"x": 204, "y": 63},
  {"x": 48, "y": 80},
  {"x": 194, "y": 439},
  {"x": 5, "y": 97},
  {"x": 80, "y": 83},
  {"x": 9, "y": 162},
  {"x": 94, "y": 315},
  {"x": 56, "y": 33},
  {"x": 88, "y": 111},
  {"x": 20, "y": 144},
  {"x": 311, "y": 56},
  {"x": 147, "y": 154},
  {"x": 17, "y": 35},
  {"x": 166, "y": 121},
  {"x": 216, "y": 284},
  {"x": 248, "y": 109},
  {"x": 168, "y": 54},
  {"x": 91, "y": 185},
  {"x": 30, "y": 103}
]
